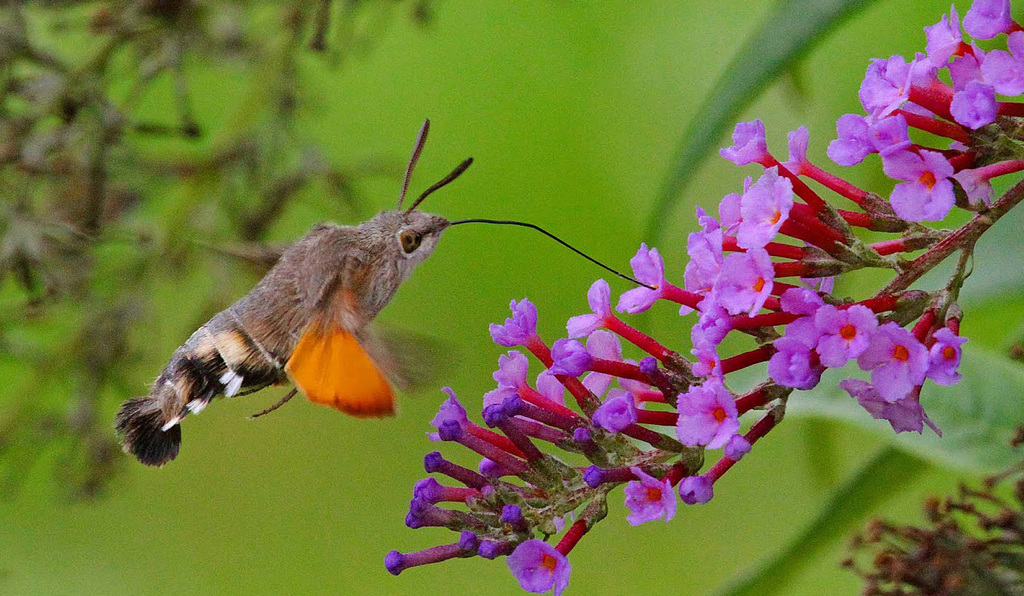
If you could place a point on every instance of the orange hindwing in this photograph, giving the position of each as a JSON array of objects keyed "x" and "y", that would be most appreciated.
[{"x": 333, "y": 369}]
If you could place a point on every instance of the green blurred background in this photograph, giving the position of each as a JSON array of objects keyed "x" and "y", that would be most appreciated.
[{"x": 571, "y": 111}]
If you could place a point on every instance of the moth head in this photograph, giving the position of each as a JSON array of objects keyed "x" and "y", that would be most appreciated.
[{"x": 418, "y": 234}]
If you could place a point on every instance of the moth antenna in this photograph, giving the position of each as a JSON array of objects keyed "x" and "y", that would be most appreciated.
[
  {"x": 507, "y": 222},
  {"x": 280, "y": 403},
  {"x": 459, "y": 169},
  {"x": 417, "y": 149}
]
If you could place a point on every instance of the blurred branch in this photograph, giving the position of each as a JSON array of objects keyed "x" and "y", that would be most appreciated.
[{"x": 100, "y": 192}]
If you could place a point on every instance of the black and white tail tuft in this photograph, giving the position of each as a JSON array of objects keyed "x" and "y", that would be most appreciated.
[{"x": 140, "y": 424}]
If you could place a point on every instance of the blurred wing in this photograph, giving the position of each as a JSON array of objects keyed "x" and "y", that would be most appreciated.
[
  {"x": 333, "y": 369},
  {"x": 411, "y": 361}
]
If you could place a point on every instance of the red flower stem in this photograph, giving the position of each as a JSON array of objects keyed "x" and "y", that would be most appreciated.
[
  {"x": 1000, "y": 169},
  {"x": 936, "y": 98},
  {"x": 650, "y": 437},
  {"x": 638, "y": 339},
  {"x": 499, "y": 441},
  {"x": 741, "y": 361},
  {"x": 860, "y": 220},
  {"x": 935, "y": 126},
  {"x": 676, "y": 473},
  {"x": 764, "y": 320},
  {"x": 622, "y": 370},
  {"x": 794, "y": 229},
  {"x": 657, "y": 418},
  {"x": 834, "y": 183},
  {"x": 905, "y": 244},
  {"x": 680, "y": 296},
  {"x": 805, "y": 217},
  {"x": 1008, "y": 108},
  {"x": 650, "y": 395},
  {"x": 963, "y": 237},
  {"x": 761, "y": 428},
  {"x": 791, "y": 269},
  {"x": 571, "y": 537},
  {"x": 924, "y": 325},
  {"x": 779, "y": 288},
  {"x": 457, "y": 494},
  {"x": 877, "y": 304},
  {"x": 754, "y": 399},
  {"x": 799, "y": 186},
  {"x": 532, "y": 396},
  {"x": 775, "y": 249},
  {"x": 963, "y": 161}
]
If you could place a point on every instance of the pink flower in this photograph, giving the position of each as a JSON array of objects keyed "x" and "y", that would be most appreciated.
[
  {"x": 943, "y": 38},
  {"x": 649, "y": 269},
  {"x": 904, "y": 414},
  {"x": 844, "y": 333},
  {"x": 988, "y": 18},
  {"x": 649, "y": 499},
  {"x": 897, "y": 361},
  {"x": 927, "y": 194},
  {"x": 745, "y": 282},
  {"x": 944, "y": 357},
  {"x": 707, "y": 415},
  {"x": 520, "y": 328},
  {"x": 749, "y": 144},
  {"x": 599, "y": 296},
  {"x": 764, "y": 207},
  {"x": 539, "y": 567}
]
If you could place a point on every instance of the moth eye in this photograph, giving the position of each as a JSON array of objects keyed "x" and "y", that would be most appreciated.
[{"x": 410, "y": 240}]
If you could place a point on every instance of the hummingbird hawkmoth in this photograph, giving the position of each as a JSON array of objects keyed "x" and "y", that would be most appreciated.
[{"x": 306, "y": 321}]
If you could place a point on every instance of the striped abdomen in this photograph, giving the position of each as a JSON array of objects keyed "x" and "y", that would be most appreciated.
[{"x": 220, "y": 358}]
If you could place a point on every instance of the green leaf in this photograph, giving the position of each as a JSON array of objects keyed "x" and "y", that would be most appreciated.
[
  {"x": 977, "y": 416},
  {"x": 793, "y": 27},
  {"x": 886, "y": 474}
]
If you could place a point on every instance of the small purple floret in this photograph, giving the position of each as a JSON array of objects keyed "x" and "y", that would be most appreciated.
[
  {"x": 988, "y": 18},
  {"x": 617, "y": 412},
  {"x": 570, "y": 358},
  {"x": 707, "y": 415},
  {"x": 749, "y": 144},
  {"x": 489, "y": 549},
  {"x": 593, "y": 476},
  {"x": 695, "y": 490},
  {"x": 468, "y": 541},
  {"x": 897, "y": 361},
  {"x": 433, "y": 461},
  {"x": 511, "y": 514},
  {"x": 975, "y": 105},
  {"x": 539, "y": 567},
  {"x": 394, "y": 562},
  {"x": 649, "y": 499},
  {"x": 944, "y": 357},
  {"x": 520, "y": 328},
  {"x": 648, "y": 268},
  {"x": 427, "y": 489},
  {"x": 599, "y": 296},
  {"x": 737, "y": 447},
  {"x": 494, "y": 414}
]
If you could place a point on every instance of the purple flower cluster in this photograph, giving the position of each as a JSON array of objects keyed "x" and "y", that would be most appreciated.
[{"x": 759, "y": 273}]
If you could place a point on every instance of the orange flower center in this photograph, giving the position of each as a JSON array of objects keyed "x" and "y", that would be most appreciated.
[
  {"x": 759, "y": 284},
  {"x": 928, "y": 179},
  {"x": 848, "y": 332},
  {"x": 549, "y": 563},
  {"x": 775, "y": 218},
  {"x": 901, "y": 353},
  {"x": 653, "y": 494},
  {"x": 719, "y": 414},
  {"x": 949, "y": 352}
]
